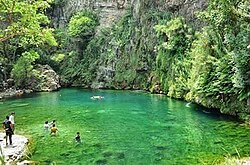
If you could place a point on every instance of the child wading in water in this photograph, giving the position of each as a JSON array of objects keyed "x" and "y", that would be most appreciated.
[
  {"x": 46, "y": 125},
  {"x": 52, "y": 123},
  {"x": 53, "y": 130},
  {"x": 78, "y": 137}
]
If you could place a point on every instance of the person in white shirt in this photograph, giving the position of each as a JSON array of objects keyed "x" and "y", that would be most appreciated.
[
  {"x": 12, "y": 120},
  {"x": 51, "y": 123},
  {"x": 46, "y": 125}
]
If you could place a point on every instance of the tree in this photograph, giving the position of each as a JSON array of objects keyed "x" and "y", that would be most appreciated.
[
  {"x": 23, "y": 69},
  {"x": 23, "y": 27},
  {"x": 82, "y": 27},
  {"x": 25, "y": 19}
]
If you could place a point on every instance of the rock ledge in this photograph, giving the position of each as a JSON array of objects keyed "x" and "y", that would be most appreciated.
[{"x": 13, "y": 153}]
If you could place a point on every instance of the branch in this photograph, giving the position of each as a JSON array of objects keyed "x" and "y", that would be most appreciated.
[{"x": 3, "y": 39}]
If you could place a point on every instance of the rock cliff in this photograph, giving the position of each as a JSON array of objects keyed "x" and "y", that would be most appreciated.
[
  {"x": 112, "y": 10},
  {"x": 109, "y": 11}
]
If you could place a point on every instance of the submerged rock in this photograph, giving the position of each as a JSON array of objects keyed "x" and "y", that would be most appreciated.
[
  {"x": 101, "y": 161},
  {"x": 107, "y": 154},
  {"x": 120, "y": 155}
]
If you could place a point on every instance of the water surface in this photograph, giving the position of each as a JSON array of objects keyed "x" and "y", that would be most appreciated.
[{"x": 126, "y": 127}]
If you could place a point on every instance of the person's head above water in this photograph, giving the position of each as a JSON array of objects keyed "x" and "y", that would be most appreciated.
[{"x": 97, "y": 97}]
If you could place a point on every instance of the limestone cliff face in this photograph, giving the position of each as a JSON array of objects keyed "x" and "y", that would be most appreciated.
[
  {"x": 109, "y": 10},
  {"x": 112, "y": 10},
  {"x": 185, "y": 8}
]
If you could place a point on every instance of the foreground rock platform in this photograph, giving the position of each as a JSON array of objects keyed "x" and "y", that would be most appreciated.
[{"x": 13, "y": 153}]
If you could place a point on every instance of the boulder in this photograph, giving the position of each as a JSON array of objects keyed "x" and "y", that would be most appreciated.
[{"x": 48, "y": 80}]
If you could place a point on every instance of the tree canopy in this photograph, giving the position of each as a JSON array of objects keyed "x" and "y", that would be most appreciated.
[
  {"x": 25, "y": 19},
  {"x": 24, "y": 27}
]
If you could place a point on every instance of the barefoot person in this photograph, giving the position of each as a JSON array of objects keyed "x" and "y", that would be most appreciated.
[{"x": 7, "y": 125}]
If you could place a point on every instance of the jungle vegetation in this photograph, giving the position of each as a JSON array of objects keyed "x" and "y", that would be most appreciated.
[{"x": 158, "y": 52}]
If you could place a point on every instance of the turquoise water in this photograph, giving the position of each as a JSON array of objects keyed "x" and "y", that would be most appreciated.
[{"x": 125, "y": 127}]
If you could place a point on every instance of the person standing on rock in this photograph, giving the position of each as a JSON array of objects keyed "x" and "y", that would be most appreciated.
[
  {"x": 7, "y": 125},
  {"x": 12, "y": 120}
]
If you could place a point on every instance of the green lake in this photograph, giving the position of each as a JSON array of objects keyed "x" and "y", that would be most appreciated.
[{"x": 126, "y": 127}]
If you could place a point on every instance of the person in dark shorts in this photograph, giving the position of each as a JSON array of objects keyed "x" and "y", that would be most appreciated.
[{"x": 8, "y": 127}]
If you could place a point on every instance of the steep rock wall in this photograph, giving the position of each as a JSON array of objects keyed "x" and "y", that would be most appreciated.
[
  {"x": 111, "y": 10},
  {"x": 185, "y": 8}
]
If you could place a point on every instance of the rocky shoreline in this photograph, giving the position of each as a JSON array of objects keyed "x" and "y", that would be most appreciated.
[
  {"x": 15, "y": 152},
  {"x": 12, "y": 92},
  {"x": 48, "y": 81}
]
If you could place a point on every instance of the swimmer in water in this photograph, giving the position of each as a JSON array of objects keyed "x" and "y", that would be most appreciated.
[
  {"x": 78, "y": 137},
  {"x": 97, "y": 97}
]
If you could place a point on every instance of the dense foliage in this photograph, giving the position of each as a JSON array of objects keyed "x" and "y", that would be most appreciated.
[
  {"x": 223, "y": 81},
  {"x": 76, "y": 63},
  {"x": 23, "y": 28},
  {"x": 126, "y": 52},
  {"x": 23, "y": 71},
  {"x": 215, "y": 71},
  {"x": 83, "y": 24},
  {"x": 172, "y": 62}
]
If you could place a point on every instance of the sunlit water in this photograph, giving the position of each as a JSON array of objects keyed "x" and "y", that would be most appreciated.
[{"x": 124, "y": 128}]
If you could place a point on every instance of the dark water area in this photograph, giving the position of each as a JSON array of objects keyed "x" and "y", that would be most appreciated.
[{"x": 125, "y": 127}]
